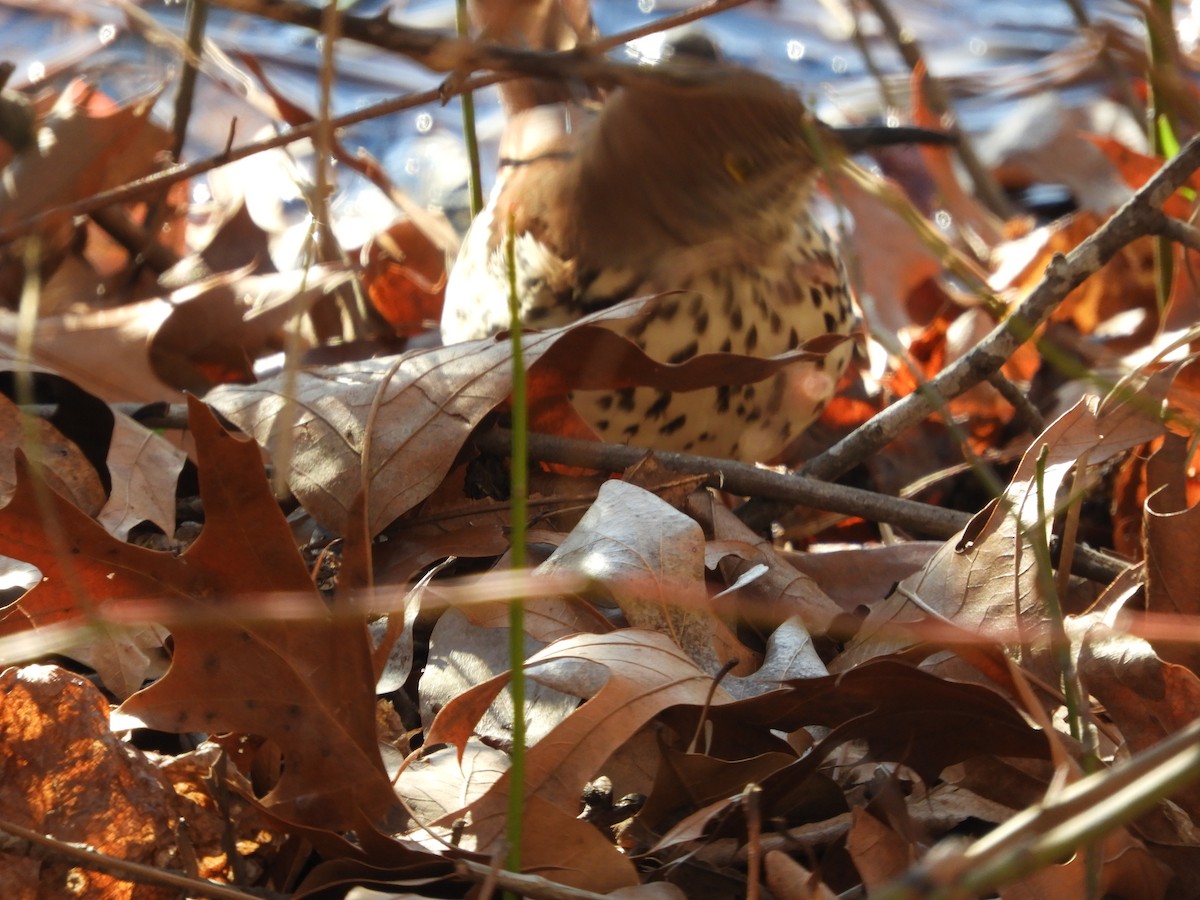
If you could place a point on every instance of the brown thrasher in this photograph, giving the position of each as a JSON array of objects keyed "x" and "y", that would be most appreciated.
[{"x": 699, "y": 184}]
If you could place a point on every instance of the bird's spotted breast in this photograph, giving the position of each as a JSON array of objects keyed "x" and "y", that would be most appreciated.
[{"x": 759, "y": 312}]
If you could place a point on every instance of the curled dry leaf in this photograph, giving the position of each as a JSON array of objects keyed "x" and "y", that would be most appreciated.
[
  {"x": 960, "y": 581},
  {"x": 84, "y": 145},
  {"x": 650, "y": 557},
  {"x": 627, "y": 676},
  {"x": 193, "y": 338}
]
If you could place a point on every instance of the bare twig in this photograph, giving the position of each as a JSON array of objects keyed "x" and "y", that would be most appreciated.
[
  {"x": 1138, "y": 217},
  {"x": 1019, "y": 401},
  {"x": 736, "y": 478},
  {"x": 15, "y": 839}
]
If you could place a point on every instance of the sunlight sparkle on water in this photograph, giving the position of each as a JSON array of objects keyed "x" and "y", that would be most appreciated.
[
  {"x": 36, "y": 71},
  {"x": 648, "y": 49},
  {"x": 943, "y": 219},
  {"x": 646, "y": 6},
  {"x": 795, "y": 50},
  {"x": 839, "y": 64},
  {"x": 424, "y": 122},
  {"x": 978, "y": 46},
  {"x": 107, "y": 34},
  {"x": 1188, "y": 27}
]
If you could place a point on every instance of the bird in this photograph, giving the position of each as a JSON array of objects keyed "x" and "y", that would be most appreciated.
[{"x": 699, "y": 183}]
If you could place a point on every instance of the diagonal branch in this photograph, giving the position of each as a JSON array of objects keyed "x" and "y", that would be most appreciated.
[{"x": 1140, "y": 216}]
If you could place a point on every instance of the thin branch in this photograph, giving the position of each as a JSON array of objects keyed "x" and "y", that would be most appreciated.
[
  {"x": 15, "y": 839},
  {"x": 1139, "y": 216},
  {"x": 736, "y": 478},
  {"x": 1019, "y": 401}
]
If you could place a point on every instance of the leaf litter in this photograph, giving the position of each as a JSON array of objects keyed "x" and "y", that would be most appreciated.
[{"x": 290, "y": 595}]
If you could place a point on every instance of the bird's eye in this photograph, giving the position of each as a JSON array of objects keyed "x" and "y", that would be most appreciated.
[{"x": 739, "y": 168}]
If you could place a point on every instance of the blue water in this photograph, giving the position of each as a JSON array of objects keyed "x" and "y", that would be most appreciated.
[{"x": 989, "y": 53}]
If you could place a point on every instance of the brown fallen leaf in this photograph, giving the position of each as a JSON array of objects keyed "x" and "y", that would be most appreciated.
[
  {"x": 879, "y": 853},
  {"x": 144, "y": 468},
  {"x": 257, "y": 651},
  {"x": 628, "y": 676},
  {"x": 193, "y": 338},
  {"x": 88, "y": 144},
  {"x": 66, "y": 468},
  {"x": 978, "y": 578}
]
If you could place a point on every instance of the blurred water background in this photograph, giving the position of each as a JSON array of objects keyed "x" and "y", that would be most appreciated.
[{"x": 993, "y": 54}]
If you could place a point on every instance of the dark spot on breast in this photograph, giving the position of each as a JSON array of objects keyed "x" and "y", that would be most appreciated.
[
  {"x": 701, "y": 323},
  {"x": 674, "y": 425},
  {"x": 751, "y": 338},
  {"x": 625, "y": 399},
  {"x": 748, "y": 392},
  {"x": 735, "y": 319},
  {"x": 602, "y": 424},
  {"x": 723, "y": 393},
  {"x": 793, "y": 339},
  {"x": 605, "y": 402},
  {"x": 830, "y": 322},
  {"x": 814, "y": 294},
  {"x": 631, "y": 430},
  {"x": 659, "y": 406},
  {"x": 776, "y": 323},
  {"x": 638, "y": 328},
  {"x": 726, "y": 345},
  {"x": 685, "y": 352}
]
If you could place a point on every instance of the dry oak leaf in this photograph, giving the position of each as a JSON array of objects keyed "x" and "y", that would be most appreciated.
[
  {"x": 257, "y": 651},
  {"x": 144, "y": 468},
  {"x": 628, "y": 677},
  {"x": 980, "y": 576},
  {"x": 390, "y": 428}
]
